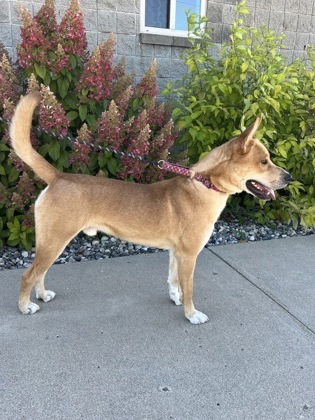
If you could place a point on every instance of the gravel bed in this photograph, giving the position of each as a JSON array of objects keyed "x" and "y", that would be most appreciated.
[{"x": 84, "y": 248}]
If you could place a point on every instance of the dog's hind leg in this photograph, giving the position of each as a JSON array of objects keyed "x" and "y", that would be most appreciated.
[
  {"x": 173, "y": 280},
  {"x": 186, "y": 266},
  {"x": 48, "y": 248}
]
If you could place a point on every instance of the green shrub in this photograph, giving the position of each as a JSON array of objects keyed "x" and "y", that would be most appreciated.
[
  {"x": 219, "y": 98},
  {"x": 85, "y": 96}
]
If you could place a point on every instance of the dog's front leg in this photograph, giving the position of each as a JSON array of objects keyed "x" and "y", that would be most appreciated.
[
  {"x": 173, "y": 280},
  {"x": 186, "y": 266}
]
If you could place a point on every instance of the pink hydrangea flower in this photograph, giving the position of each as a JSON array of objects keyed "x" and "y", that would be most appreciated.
[{"x": 52, "y": 116}]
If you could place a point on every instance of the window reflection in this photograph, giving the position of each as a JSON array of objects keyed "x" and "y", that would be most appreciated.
[
  {"x": 157, "y": 13},
  {"x": 181, "y": 6}
]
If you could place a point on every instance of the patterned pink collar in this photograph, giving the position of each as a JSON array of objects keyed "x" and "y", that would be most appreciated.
[{"x": 182, "y": 170}]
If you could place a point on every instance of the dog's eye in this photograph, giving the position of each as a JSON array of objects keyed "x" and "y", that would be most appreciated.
[{"x": 264, "y": 162}]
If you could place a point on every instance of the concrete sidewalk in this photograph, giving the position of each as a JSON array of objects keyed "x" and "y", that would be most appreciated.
[{"x": 112, "y": 346}]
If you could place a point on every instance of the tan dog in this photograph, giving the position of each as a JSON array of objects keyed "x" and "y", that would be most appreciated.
[{"x": 177, "y": 214}]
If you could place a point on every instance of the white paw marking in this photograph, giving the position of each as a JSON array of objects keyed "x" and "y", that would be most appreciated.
[
  {"x": 197, "y": 318},
  {"x": 48, "y": 296},
  {"x": 90, "y": 231},
  {"x": 175, "y": 295},
  {"x": 30, "y": 309}
]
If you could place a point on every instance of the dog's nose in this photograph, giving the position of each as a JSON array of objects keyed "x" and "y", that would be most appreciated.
[{"x": 287, "y": 177}]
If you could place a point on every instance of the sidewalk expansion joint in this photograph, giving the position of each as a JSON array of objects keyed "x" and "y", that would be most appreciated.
[{"x": 268, "y": 295}]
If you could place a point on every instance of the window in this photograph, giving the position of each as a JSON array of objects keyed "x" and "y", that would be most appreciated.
[{"x": 167, "y": 17}]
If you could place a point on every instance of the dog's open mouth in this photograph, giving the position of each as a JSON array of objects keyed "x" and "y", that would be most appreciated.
[{"x": 260, "y": 190}]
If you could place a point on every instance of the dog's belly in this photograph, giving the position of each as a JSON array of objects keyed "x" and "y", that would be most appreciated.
[{"x": 134, "y": 237}]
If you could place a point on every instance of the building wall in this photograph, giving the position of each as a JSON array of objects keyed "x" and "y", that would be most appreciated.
[{"x": 296, "y": 18}]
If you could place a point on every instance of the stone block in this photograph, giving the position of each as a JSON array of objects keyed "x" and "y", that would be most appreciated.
[
  {"x": 89, "y": 4},
  {"x": 130, "y": 63},
  {"x": 109, "y": 5},
  {"x": 249, "y": 20},
  {"x": 229, "y": 14},
  {"x": 5, "y": 34},
  {"x": 36, "y": 8},
  {"x": 4, "y": 12},
  {"x": 289, "y": 41},
  {"x": 276, "y": 21},
  {"x": 263, "y": 4},
  {"x": 301, "y": 55},
  {"x": 161, "y": 84},
  {"x": 106, "y": 21},
  {"x": 301, "y": 41},
  {"x": 216, "y": 34},
  {"x": 306, "y": 7},
  {"x": 277, "y": 5},
  {"x": 103, "y": 36},
  {"x": 90, "y": 20},
  {"x": 226, "y": 32},
  {"x": 14, "y": 12},
  {"x": 292, "y": 6},
  {"x": 163, "y": 67},
  {"x": 126, "y": 23},
  {"x": 137, "y": 6},
  {"x": 156, "y": 39},
  {"x": 290, "y": 21},
  {"x": 215, "y": 12},
  {"x": 141, "y": 66},
  {"x": 304, "y": 23},
  {"x": 178, "y": 69},
  {"x": 162, "y": 51},
  {"x": 174, "y": 41},
  {"x": 126, "y": 6},
  {"x": 61, "y": 4},
  {"x": 144, "y": 50},
  {"x": 177, "y": 52},
  {"x": 16, "y": 37},
  {"x": 91, "y": 38},
  {"x": 126, "y": 44},
  {"x": 262, "y": 17},
  {"x": 288, "y": 55}
]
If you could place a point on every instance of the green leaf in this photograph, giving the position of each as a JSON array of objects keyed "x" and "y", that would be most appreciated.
[
  {"x": 72, "y": 115},
  {"x": 43, "y": 150},
  {"x": 40, "y": 70},
  {"x": 70, "y": 100},
  {"x": 13, "y": 175},
  {"x": 73, "y": 61},
  {"x": 4, "y": 147},
  {"x": 283, "y": 152},
  {"x": 83, "y": 111},
  {"x": 91, "y": 120},
  {"x": 63, "y": 86},
  {"x": 54, "y": 150},
  {"x": 85, "y": 91},
  {"x": 135, "y": 104},
  {"x": 244, "y": 66},
  {"x": 112, "y": 166}
]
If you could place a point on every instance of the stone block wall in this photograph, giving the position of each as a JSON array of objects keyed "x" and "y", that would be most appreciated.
[{"x": 295, "y": 18}]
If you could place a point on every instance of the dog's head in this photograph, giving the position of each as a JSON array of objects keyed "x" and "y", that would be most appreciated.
[{"x": 244, "y": 164}]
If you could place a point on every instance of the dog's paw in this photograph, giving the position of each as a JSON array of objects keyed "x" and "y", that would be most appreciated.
[
  {"x": 31, "y": 308},
  {"x": 197, "y": 318},
  {"x": 47, "y": 296},
  {"x": 175, "y": 295}
]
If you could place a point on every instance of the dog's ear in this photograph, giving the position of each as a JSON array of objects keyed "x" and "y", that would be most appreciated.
[{"x": 245, "y": 140}]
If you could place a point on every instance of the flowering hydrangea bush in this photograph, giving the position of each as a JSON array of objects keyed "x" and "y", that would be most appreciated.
[{"x": 84, "y": 95}]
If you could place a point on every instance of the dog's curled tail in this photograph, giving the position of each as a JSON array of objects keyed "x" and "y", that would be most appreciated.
[{"x": 20, "y": 132}]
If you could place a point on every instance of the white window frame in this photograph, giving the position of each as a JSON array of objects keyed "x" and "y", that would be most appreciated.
[{"x": 167, "y": 31}]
